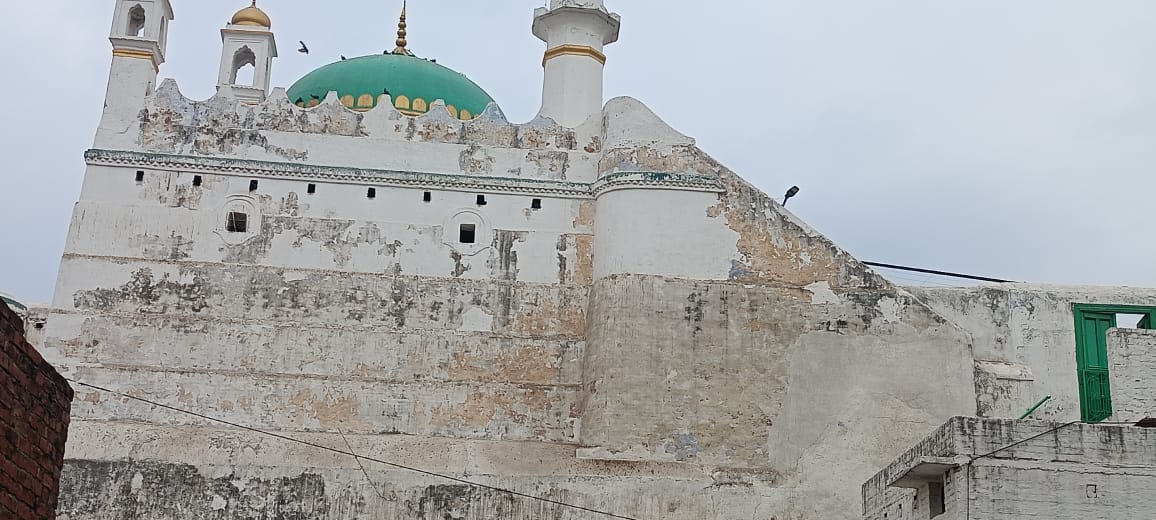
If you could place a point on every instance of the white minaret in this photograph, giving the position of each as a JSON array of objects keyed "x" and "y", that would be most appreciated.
[
  {"x": 575, "y": 32},
  {"x": 248, "y": 40},
  {"x": 139, "y": 36}
]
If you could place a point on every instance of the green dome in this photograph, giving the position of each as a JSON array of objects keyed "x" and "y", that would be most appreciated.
[{"x": 414, "y": 83}]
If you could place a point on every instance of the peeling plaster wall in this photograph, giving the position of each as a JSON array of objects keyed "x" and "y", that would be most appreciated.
[
  {"x": 1025, "y": 341},
  {"x": 147, "y": 471},
  {"x": 34, "y": 324},
  {"x": 739, "y": 337},
  {"x": 306, "y": 364},
  {"x": 334, "y": 311},
  {"x": 338, "y": 228},
  {"x": 333, "y": 135},
  {"x": 702, "y": 351}
]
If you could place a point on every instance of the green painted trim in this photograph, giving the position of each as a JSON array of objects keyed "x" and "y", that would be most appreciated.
[
  {"x": 14, "y": 304},
  {"x": 1036, "y": 407},
  {"x": 1085, "y": 374},
  {"x": 1114, "y": 309}
]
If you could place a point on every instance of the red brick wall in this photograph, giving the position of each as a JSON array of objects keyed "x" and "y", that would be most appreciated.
[{"x": 34, "y": 405}]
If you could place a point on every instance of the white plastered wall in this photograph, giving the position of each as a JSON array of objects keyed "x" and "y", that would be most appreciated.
[
  {"x": 664, "y": 233},
  {"x": 1025, "y": 341},
  {"x": 338, "y": 227}
]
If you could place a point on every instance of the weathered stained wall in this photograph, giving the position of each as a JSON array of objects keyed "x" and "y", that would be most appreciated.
[
  {"x": 1132, "y": 373},
  {"x": 34, "y": 406},
  {"x": 741, "y": 338},
  {"x": 702, "y": 351},
  {"x": 336, "y": 304},
  {"x": 408, "y": 353},
  {"x": 332, "y": 135},
  {"x": 193, "y": 473},
  {"x": 338, "y": 228},
  {"x": 333, "y": 312},
  {"x": 1057, "y": 470},
  {"x": 1025, "y": 341}
]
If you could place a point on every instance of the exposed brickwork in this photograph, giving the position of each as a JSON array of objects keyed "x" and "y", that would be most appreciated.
[{"x": 35, "y": 402}]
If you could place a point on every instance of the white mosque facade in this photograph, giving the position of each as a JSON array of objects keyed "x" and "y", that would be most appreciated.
[{"x": 584, "y": 313}]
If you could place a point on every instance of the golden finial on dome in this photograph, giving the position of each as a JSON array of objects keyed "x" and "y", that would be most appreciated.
[
  {"x": 252, "y": 15},
  {"x": 401, "y": 42}
]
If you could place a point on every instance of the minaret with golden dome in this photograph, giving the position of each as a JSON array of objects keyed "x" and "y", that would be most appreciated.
[
  {"x": 247, "y": 41},
  {"x": 252, "y": 16}
]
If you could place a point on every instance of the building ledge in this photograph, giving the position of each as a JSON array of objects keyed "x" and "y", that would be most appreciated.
[{"x": 927, "y": 469}]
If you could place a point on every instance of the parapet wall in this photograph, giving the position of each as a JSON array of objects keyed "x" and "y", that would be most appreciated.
[
  {"x": 330, "y": 134},
  {"x": 1132, "y": 356},
  {"x": 34, "y": 415}
]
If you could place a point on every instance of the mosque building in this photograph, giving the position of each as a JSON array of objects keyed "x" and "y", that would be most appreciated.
[{"x": 581, "y": 316}]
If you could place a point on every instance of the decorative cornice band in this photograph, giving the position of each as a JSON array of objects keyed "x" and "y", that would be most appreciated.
[
  {"x": 134, "y": 53},
  {"x": 656, "y": 181},
  {"x": 401, "y": 179},
  {"x": 337, "y": 174},
  {"x": 574, "y": 50}
]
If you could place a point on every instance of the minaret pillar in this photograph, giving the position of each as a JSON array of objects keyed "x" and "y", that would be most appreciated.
[
  {"x": 139, "y": 37},
  {"x": 576, "y": 33},
  {"x": 247, "y": 41}
]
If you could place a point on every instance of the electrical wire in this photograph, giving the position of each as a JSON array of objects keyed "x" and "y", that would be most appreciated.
[
  {"x": 938, "y": 272},
  {"x": 362, "y": 466},
  {"x": 354, "y": 455},
  {"x": 899, "y": 276},
  {"x": 1032, "y": 438}
]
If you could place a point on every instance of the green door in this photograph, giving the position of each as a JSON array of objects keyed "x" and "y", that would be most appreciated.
[{"x": 1092, "y": 364}]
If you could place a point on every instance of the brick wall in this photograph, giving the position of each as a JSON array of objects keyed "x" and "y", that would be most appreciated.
[{"x": 34, "y": 409}]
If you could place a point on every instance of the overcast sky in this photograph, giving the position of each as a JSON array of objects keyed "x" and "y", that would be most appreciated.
[{"x": 1013, "y": 139}]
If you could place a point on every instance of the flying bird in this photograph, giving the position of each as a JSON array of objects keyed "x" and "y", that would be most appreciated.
[
  {"x": 790, "y": 193},
  {"x": 304, "y": 49}
]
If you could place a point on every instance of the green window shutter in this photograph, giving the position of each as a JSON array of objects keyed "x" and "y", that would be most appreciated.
[
  {"x": 1092, "y": 324},
  {"x": 1097, "y": 402}
]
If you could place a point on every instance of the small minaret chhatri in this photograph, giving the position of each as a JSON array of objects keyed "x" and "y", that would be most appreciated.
[
  {"x": 576, "y": 33},
  {"x": 248, "y": 40},
  {"x": 139, "y": 37}
]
